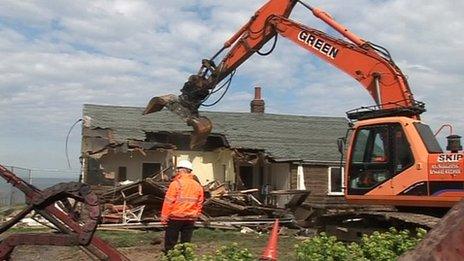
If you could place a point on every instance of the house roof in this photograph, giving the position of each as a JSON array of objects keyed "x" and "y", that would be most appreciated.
[{"x": 283, "y": 137}]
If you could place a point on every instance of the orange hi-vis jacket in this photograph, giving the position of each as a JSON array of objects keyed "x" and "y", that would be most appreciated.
[{"x": 183, "y": 200}]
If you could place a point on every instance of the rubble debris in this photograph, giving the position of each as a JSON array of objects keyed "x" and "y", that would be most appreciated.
[
  {"x": 247, "y": 230},
  {"x": 258, "y": 224},
  {"x": 122, "y": 213},
  {"x": 98, "y": 141},
  {"x": 223, "y": 208}
]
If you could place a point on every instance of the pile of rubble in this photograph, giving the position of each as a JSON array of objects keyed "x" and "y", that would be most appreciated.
[{"x": 139, "y": 204}]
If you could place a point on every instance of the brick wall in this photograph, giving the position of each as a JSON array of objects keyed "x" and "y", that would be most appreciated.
[{"x": 316, "y": 181}]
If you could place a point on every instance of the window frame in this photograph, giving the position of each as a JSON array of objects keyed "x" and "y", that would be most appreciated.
[{"x": 329, "y": 185}]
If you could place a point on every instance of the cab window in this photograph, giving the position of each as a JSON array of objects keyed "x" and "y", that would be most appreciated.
[{"x": 379, "y": 153}]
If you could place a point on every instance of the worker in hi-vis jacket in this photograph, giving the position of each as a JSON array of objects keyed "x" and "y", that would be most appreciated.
[{"x": 182, "y": 206}]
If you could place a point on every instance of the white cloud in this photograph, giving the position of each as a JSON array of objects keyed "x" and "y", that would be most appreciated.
[{"x": 57, "y": 55}]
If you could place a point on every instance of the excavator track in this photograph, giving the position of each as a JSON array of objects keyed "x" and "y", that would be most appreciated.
[
  {"x": 405, "y": 219},
  {"x": 350, "y": 226}
]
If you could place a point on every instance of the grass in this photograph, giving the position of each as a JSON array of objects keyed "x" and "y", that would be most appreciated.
[
  {"x": 252, "y": 241},
  {"x": 129, "y": 238},
  {"x": 207, "y": 240},
  {"x": 28, "y": 230}
]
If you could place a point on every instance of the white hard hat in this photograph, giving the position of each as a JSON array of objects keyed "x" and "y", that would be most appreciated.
[{"x": 185, "y": 164}]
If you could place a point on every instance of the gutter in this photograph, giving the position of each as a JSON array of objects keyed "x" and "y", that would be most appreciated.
[{"x": 300, "y": 161}]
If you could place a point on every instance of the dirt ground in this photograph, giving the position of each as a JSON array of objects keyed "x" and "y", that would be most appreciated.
[
  {"x": 139, "y": 246},
  {"x": 147, "y": 245},
  {"x": 58, "y": 253},
  {"x": 146, "y": 251},
  {"x": 55, "y": 253}
]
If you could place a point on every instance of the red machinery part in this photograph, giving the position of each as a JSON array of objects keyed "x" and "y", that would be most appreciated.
[{"x": 77, "y": 228}]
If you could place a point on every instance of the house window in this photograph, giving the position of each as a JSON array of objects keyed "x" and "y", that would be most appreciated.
[
  {"x": 122, "y": 174},
  {"x": 336, "y": 181},
  {"x": 150, "y": 169}
]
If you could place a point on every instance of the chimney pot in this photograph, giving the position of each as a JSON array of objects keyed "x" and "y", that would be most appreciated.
[{"x": 257, "y": 93}]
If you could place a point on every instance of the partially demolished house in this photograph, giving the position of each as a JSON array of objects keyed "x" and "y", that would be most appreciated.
[{"x": 275, "y": 154}]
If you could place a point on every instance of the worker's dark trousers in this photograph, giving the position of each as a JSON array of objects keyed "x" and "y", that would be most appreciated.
[{"x": 174, "y": 228}]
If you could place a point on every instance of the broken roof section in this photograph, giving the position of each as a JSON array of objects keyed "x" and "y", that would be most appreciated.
[{"x": 281, "y": 137}]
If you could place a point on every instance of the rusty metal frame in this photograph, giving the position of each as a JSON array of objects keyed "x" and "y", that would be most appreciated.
[{"x": 77, "y": 229}]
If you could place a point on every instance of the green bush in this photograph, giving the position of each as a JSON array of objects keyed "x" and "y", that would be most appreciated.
[
  {"x": 181, "y": 252},
  {"x": 322, "y": 247},
  {"x": 186, "y": 252},
  {"x": 389, "y": 245},
  {"x": 384, "y": 246},
  {"x": 231, "y": 252}
]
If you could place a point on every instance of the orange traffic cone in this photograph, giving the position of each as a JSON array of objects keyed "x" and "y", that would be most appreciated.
[{"x": 270, "y": 252}]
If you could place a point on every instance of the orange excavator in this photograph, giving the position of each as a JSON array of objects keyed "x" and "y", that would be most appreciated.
[{"x": 392, "y": 157}]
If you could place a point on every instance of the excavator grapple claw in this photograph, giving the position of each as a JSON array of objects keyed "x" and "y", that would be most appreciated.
[
  {"x": 202, "y": 126},
  {"x": 158, "y": 103},
  {"x": 201, "y": 129}
]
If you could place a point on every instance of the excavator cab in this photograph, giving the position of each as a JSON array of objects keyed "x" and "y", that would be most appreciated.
[
  {"x": 398, "y": 161},
  {"x": 379, "y": 153}
]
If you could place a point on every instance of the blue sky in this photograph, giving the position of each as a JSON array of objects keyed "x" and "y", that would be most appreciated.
[{"x": 59, "y": 55}]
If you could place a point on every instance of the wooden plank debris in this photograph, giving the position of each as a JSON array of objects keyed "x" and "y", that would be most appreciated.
[{"x": 223, "y": 208}]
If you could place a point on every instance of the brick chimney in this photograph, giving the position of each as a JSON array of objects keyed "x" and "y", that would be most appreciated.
[{"x": 257, "y": 104}]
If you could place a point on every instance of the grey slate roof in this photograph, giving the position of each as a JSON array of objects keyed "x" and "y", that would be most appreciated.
[{"x": 283, "y": 137}]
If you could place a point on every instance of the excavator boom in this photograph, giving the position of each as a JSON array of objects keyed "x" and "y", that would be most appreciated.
[{"x": 369, "y": 64}]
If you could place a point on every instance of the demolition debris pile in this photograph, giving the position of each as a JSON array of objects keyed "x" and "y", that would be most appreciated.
[{"x": 141, "y": 202}]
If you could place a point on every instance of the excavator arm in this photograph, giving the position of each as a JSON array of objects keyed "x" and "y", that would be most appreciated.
[{"x": 369, "y": 64}]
